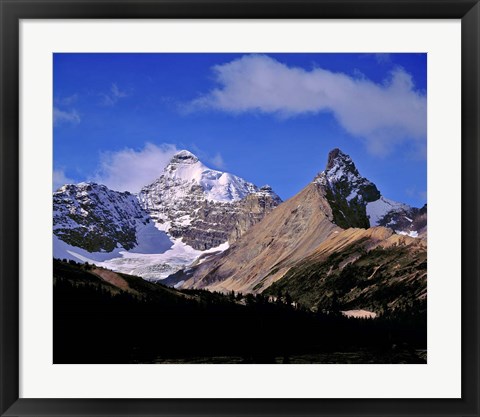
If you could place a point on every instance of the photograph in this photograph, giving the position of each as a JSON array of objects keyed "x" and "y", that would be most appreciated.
[
  {"x": 220, "y": 208},
  {"x": 239, "y": 208}
]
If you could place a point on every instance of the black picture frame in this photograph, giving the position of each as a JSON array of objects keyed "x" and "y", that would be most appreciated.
[{"x": 14, "y": 10}]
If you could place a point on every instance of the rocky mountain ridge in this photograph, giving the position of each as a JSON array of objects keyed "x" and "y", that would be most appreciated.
[
  {"x": 204, "y": 208},
  {"x": 95, "y": 218},
  {"x": 335, "y": 207},
  {"x": 273, "y": 246}
]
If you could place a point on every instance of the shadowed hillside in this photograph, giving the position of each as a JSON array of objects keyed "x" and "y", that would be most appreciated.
[
  {"x": 104, "y": 317},
  {"x": 371, "y": 269}
]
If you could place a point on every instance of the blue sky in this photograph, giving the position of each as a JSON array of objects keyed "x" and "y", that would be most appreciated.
[{"x": 269, "y": 118}]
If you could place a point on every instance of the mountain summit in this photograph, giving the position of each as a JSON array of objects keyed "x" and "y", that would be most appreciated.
[
  {"x": 357, "y": 202},
  {"x": 203, "y": 206},
  {"x": 184, "y": 157},
  {"x": 185, "y": 173},
  {"x": 346, "y": 190},
  {"x": 342, "y": 175}
]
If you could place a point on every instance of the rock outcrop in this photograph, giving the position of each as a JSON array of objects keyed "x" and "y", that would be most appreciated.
[
  {"x": 93, "y": 217},
  {"x": 357, "y": 202}
]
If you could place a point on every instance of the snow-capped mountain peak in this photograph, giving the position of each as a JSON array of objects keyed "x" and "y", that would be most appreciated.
[
  {"x": 184, "y": 157},
  {"x": 336, "y": 157},
  {"x": 346, "y": 190},
  {"x": 343, "y": 177},
  {"x": 204, "y": 206},
  {"x": 185, "y": 171}
]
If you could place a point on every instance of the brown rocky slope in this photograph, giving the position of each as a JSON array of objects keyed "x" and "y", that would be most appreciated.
[
  {"x": 373, "y": 269},
  {"x": 298, "y": 250},
  {"x": 266, "y": 251}
]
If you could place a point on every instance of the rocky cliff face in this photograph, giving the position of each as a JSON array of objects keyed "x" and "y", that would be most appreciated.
[
  {"x": 202, "y": 206},
  {"x": 346, "y": 190},
  {"x": 356, "y": 201},
  {"x": 95, "y": 218},
  {"x": 251, "y": 209},
  {"x": 403, "y": 219}
]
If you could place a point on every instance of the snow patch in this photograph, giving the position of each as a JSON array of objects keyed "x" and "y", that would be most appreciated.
[
  {"x": 412, "y": 233},
  {"x": 63, "y": 250},
  {"x": 352, "y": 195},
  {"x": 159, "y": 266},
  {"x": 377, "y": 210},
  {"x": 359, "y": 314},
  {"x": 159, "y": 259},
  {"x": 151, "y": 240}
]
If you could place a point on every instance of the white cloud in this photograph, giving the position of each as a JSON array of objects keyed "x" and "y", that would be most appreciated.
[
  {"x": 112, "y": 97},
  {"x": 130, "y": 170},
  {"x": 384, "y": 115},
  {"x": 65, "y": 116},
  {"x": 59, "y": 179},
  {"x": 217, "y": 161}
]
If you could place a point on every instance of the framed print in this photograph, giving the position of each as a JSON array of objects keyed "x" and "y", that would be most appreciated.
[{"x": 238, "y": 208}]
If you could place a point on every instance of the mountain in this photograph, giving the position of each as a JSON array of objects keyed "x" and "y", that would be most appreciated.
[
  {"x": 403, "y": 219},
  {"x": 339, "y": 205},
  {"x": 347, "y": 192},
  {"x": 95, "y": 218},
  {"x": 204, "y": 207},
  {"x": 189, "y": 211},
  {"x": 356, "y": 201},
  {"x": 181, "y": 227},
  {"x": 266, "y": 251}
]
